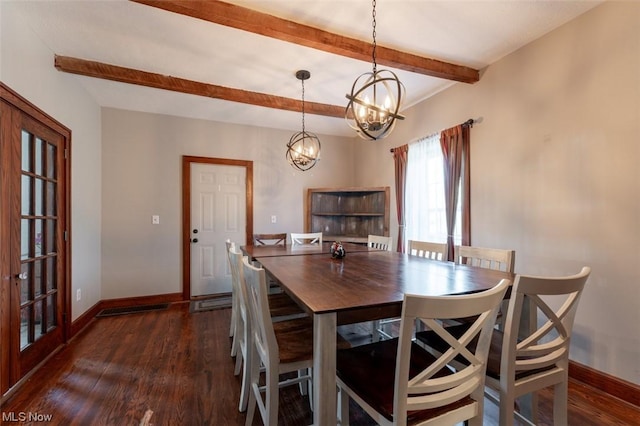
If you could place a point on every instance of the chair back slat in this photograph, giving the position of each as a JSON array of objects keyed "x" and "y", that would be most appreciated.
[
  {"x": 489, "y": 258},
  {"x": 427, "y": 249},
  {"x": 269, "y": 239},
  {"x": 379, "y": 242},
  {"x": 306, "y": 238}
]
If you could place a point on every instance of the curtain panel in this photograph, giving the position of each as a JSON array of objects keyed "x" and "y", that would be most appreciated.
[
  {"x": 455, "y": 150},
  {"x": 400, "y": 165}
]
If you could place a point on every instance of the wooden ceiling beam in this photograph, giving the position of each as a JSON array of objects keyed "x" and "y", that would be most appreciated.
[
  {"x": 264, "y": 24},
  {"x": 176, "y": 84}
]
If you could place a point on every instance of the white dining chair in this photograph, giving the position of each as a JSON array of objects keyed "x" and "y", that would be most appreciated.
[
  {"x": 280, "y": 310},
  {"x": 532, "y": 353},
  {"x": 281, "y": 348},
  {"x": 306, "y": 238},
  {"x": 398, "y": 383},
  {"x": 532, "y": 362},
  {"x": 380, "y": 242}
]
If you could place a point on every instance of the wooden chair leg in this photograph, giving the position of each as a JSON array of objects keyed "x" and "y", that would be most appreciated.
[
  {"x": 245, "y": 386},
  {"x": 310, "y": 387},
  {"x": 239, "y": 363},
  {"x": 251, "y": 408},
  {"x": 232, "y": 326},
  {"x": 478, "y": 419},
  {"x": 272, "y": 397},
  {"x": 375, "y": 334},
  {"x": 560, "y": 402},
  {"x": 507, "y": 404},
  {"x": 304, "y": 386},
  {"x": 234, "y": 347},
  {"x": 534, "y": 408},
  {"x": 344, "y": 407},
  {"x": 254, "y": 377}
]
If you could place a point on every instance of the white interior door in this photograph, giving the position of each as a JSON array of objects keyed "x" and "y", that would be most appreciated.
[{"x": 218, "y": 205}]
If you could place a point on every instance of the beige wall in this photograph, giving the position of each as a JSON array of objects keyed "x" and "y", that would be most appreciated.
[
  {"x": 554, "y": 169},
  {"x": 141, "y": 176},
  {"x": 26, "y": 66}
]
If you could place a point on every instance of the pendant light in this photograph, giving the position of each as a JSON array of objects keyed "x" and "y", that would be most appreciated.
[
  {"x": 375, "y": 99},
  {"x": 303, "y": 149}
]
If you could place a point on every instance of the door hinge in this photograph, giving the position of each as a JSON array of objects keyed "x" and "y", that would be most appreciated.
[
  {"x": 66, "y": 235},
  {"x": 66, "y": 153}
]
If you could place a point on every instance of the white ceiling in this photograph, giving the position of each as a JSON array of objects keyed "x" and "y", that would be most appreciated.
[{"x": 127, "y": 34}]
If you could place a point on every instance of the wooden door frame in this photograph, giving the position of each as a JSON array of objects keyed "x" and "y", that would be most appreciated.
[
  {"x": 14, "y": 99},
  {"x": 186, "y": 209}
]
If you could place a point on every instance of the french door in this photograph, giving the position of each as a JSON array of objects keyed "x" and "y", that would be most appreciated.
[{"x": 33, "y": 233}]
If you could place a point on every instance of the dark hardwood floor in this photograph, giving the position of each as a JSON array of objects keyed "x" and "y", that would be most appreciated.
[{"x": 177, "y": 364}]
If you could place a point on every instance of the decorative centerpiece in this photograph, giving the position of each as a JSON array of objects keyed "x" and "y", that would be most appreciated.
[{"x": 337, "y": 250}]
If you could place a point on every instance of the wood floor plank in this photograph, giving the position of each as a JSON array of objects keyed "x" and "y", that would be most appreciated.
[{"x": 177, "y": 364}]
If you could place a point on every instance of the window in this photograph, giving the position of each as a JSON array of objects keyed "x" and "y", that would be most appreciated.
[{"x": 424, "y": 193}]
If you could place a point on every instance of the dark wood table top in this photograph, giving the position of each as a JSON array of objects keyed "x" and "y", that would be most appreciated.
[
  {"x": 255, "y": 252},
  {"x": 371, "y": 285}
]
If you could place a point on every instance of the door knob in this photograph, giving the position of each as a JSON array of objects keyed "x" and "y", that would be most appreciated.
[
  {"x": 195, "y": 240},
  {"x": 21, "y": 276},
  {"x": 195, "y": 231}
]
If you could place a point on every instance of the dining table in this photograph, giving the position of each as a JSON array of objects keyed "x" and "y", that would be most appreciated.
[{"x": 363, "y": 286}]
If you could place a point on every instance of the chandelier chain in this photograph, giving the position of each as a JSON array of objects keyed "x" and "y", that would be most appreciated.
[
  {"x": 373, "y": 54},
  {"x": 302, "y": 105}
]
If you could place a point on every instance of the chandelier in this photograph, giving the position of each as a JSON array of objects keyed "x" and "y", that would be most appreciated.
[
  {"x": 303, "y": 149},
  {"x": 375, "y": 99}
]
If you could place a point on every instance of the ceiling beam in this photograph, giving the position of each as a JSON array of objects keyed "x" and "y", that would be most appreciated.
[
  {"x": 176, "y": 84},
  {"x": 264, "y": 24}
]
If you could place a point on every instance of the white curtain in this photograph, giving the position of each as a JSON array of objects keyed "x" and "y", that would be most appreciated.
[{"x": 424, "y": 194}]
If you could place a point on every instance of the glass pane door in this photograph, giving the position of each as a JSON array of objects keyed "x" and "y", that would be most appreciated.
[
  {"x": 38, "y": 236},
  {"x": 33, "y": 249}
]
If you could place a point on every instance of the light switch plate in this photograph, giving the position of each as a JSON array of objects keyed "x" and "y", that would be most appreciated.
[{"x": 155, "y": 219}]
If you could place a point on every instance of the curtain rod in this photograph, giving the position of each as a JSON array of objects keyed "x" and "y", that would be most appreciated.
[{"x": 470, "y": 122}]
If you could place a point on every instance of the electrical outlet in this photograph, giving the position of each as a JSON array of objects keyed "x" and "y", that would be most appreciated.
[
  {"x": 274, "y": 219},
  {"x": 78, "y": 295}
]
